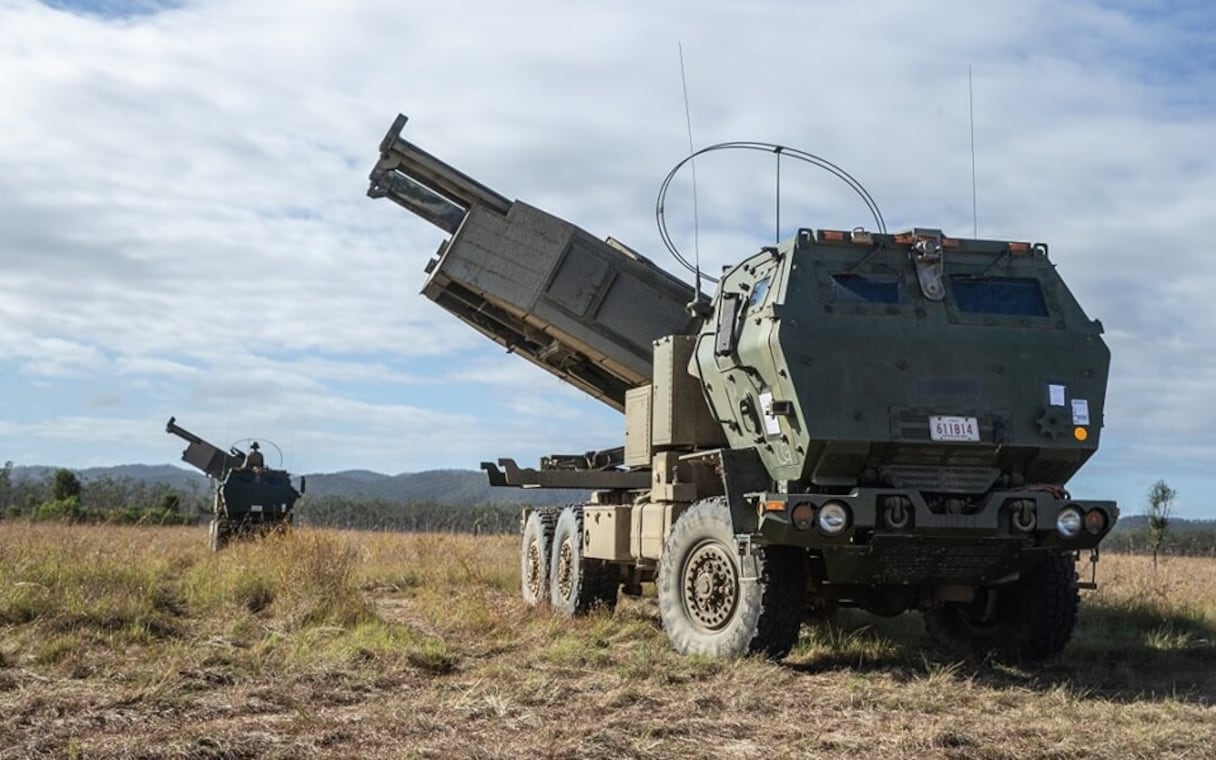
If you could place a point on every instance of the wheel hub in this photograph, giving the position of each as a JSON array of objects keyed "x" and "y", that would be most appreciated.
[
  {"x": 535, "y": 568},
  {"x": 711, "y": 587},
  {"x": 565, "y": 570}
]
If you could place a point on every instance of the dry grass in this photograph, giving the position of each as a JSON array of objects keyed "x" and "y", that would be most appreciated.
[{"x": 137, "y": 642}]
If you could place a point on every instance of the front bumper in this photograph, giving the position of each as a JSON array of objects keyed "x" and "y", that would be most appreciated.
[{"x": 892, "y": 536}]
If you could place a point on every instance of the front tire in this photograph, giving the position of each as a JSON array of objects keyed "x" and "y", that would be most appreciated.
[
  {"x": 707, "y": 604},
  {"x": 1031, "y": 619}
]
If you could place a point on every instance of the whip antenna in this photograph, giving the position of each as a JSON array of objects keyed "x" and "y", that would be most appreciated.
[
  {"x": 696, "y": 225},
  {"x": 777, "y": 236},
  {"x": 975, "y": 225}
]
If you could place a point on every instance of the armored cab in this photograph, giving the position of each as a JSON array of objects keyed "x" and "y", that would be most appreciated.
[
  {"x": 917, "y": 404},
  {"x": 846, "y": 360},
  {"x": 249, "y": 498},
  {"x": 861, "y": 419}
]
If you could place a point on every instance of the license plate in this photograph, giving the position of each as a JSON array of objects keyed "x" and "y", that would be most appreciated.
[
  {"x": 953, "y": 428},
  {"x": 255, "y": 508}
]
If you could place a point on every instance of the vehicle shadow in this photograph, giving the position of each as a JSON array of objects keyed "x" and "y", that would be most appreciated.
[{"x": 1123, "y": 655}]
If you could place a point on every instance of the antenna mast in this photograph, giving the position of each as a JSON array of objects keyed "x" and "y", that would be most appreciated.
[
  {"x": 777, "y": 234},
  {"x": 696, "y": 225},
  {"x": 975, "y": 225}
]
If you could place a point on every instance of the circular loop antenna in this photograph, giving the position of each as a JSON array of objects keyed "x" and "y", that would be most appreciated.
[{"x": 780, "y": 150}]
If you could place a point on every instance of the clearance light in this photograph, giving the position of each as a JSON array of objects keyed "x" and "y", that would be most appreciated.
[
  {"x": 1080, "y": 433},
  {"x": 1019, "y": 247},
  {"x": 831, "y": 235},
  {"x": 1095, "y": 521},
  {"x": 833, "y": 518},
  {"x": 1068, "y": 523}
]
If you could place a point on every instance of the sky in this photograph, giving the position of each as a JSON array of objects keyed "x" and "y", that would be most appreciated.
[{"x": 184, "y": 228}]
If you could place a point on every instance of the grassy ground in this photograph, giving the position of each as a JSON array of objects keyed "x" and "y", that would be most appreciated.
[{"x": 137, "y": 642}]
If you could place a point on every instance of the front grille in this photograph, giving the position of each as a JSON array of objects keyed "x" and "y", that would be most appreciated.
[
  {"x": 915, "y": 560},
  {"x": 970, "y": 480}
]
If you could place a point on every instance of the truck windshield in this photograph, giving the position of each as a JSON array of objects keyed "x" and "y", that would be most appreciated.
[{"x": 1009, "y": 296}]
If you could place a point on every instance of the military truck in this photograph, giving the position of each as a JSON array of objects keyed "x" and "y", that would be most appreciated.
[
  {"x": 249, "y": 499},
  {"x": 856, "y": 419}
]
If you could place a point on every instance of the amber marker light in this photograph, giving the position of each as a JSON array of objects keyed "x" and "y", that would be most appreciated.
[{"x": 1080, "y": 433}]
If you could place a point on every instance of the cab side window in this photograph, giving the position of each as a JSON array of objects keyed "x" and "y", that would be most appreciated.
[{"x": 759, "y": 291}]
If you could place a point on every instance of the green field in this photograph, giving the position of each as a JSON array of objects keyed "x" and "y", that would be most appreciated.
[{"x": 137, "y": 642}]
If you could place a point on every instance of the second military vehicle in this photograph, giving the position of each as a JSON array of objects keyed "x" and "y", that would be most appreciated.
[
  {"x": 250, "y": 499},
  {"x": 857, "y": 419}
]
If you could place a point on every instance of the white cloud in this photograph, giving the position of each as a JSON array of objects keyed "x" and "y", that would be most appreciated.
[{"x": 141, "y": 366}]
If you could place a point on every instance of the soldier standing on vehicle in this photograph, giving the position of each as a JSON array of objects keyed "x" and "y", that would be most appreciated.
[{"x": 254, "y": 458}]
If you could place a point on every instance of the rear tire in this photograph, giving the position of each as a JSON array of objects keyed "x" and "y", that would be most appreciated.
[
  {"x": 578, "y": 584},
  {"x": 707, "y": 606},
  {"x": 534, "y": 557},
  {"x": 1031, "y": 619}
]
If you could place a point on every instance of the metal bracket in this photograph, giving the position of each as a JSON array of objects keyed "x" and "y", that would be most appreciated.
[
  {"x": 1092, "y": 583},
  {"x": 743, "y": 544},
  {"x": 749, "y": 570},
  {"x": 926, "y": 256}
]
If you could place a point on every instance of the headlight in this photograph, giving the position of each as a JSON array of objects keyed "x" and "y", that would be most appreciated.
[
  {"x": 1069, "y": 522},
  {"x": 833, "y": 518}
]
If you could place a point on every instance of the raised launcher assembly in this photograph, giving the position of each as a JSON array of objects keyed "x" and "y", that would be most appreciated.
[
  {"x": 584, "y": 309},
  {"x": 860, "y": 419},
  {"x": 249, "y": 498}
]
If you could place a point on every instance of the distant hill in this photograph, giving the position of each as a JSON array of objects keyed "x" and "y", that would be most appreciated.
[
  {"x": 456, "y": 487},
  {"x": 150, "y": 473},
  {"x": 439, "y": 486}
]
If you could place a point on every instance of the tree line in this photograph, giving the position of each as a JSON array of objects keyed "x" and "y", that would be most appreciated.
[
  {"x": 1193, "y": 542},
  {"x": 410, "y": 517},
  {"x": 62, "y": 495}
]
